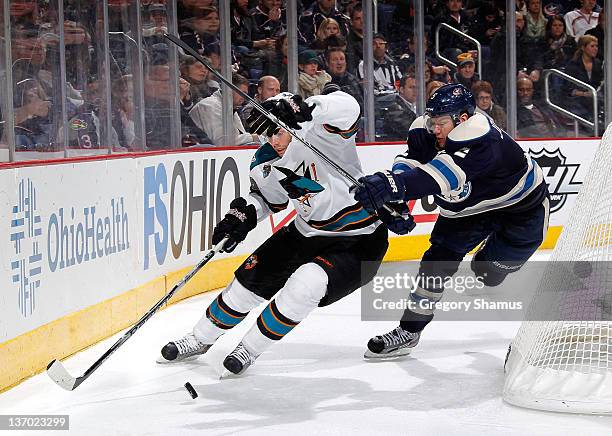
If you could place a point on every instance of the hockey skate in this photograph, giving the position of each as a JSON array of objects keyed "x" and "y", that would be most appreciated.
[
  {"x": 398, "y": 342},
  {"x": 185, "y": 349},
  {"x": 239, "y": 360}
]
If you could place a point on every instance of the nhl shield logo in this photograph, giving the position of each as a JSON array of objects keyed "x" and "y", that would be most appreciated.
[
  {"x": 250, "y": 262},
  {"x": 559, "y": 176}
]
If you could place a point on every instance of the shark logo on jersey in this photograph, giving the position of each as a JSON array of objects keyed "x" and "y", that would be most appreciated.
[
  {"x": 559, "y": 176},
  {"x": 298, "y": 186},
  {"x": 457, "y": 195}
]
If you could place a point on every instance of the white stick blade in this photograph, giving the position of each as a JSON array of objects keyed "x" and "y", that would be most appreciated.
[{"x": 60, "y": 376}]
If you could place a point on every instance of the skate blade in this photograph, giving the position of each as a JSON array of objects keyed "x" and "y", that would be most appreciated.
[
  {"x": 225, "y": 374},
  {"x": 393, "y": 355},
  {"x": 162, "y": 360}
]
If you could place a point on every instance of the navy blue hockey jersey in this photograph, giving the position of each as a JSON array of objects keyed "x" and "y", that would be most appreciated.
[{"x": 481, "y": 169}]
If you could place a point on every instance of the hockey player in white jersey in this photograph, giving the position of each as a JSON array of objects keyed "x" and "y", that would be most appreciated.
[{"x": 314, "y": 261}]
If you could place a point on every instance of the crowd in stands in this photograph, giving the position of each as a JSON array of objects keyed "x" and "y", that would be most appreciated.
[{"x": 563, "y": 34}]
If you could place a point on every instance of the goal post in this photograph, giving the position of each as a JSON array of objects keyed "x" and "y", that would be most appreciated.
[{"x": 566, "y": 364}]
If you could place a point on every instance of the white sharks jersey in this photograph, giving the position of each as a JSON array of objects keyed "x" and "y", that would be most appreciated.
[{"x": 320, "y": 195}]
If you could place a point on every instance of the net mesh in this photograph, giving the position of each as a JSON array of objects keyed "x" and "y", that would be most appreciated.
[{"x": 583, "y": 343}]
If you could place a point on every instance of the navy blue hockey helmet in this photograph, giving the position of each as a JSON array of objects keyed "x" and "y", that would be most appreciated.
[{"x": 453, "y": 100}]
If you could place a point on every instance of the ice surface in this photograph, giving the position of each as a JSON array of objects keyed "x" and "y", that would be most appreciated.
[{"x": 314, "y": 381}]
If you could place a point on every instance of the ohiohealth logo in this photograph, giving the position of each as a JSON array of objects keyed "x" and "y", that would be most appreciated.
[{"x": 26, "y": 233}]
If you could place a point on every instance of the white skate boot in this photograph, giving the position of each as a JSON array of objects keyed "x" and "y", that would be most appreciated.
[
  {"x": 182, "y": 350},
  {"x": 239, "y": 360}
]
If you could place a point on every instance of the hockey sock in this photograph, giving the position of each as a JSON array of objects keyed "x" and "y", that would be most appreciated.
[
  {"x": 300, "y": 295},
  {"x": 226, "y": 311}
]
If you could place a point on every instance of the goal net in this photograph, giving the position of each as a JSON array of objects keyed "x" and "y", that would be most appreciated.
[{"x": 565, "y": 364}]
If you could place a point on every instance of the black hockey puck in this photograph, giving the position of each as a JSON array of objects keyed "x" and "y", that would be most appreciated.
[{"x": 191, "y": 390}]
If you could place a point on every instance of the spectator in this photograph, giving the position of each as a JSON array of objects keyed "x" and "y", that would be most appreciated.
[
  {"x": 483, "y": 93},
  {"x": 337, "y": 68},
  {"x": 560, "y": 46},
  {"x": 197, "y": 75},
  {"x": 245, "y": 33},
  {"x": 386, "y": 72},
  {"x": 521, "y": 6},
  {"x": 432, "y": 87},
  {"x": 153, "y": 31},
  {"x": 485, "y": 24},
  {"x": 466, "y": 71},
  {"x": 310, "y": 80},
  {"x": 599, "y": 33},
  {"x": 122, "y": 109},
  {"x": 332, "y": 42},
  {"x": 193, "y": 8},
  {"x": 33, "y": 117},
  {"x": 207, "y": 114},
  {"x": 328, "y": 27},
  {"x": 452, "y": 45},
  {"x": 354, "y": 39},
  {"x": 276, "y": 65},
  {"x": 535, "y": 20},
  {"x": 311, "y": 18},
  {"x": 269, "y": 19},
  {"x": 402, "y": 112},
  {"x": 529, "y": 59},
  {"x": 533, "y": 121},
  {"x": 585, "y": 67},
  {"x": 201, "y": 30},
  {"x": 580, "y": 20},
  {"x": 267, "y": 86}
]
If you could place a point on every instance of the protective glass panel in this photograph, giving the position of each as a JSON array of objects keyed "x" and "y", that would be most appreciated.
[{"x": 37, "y": 79}]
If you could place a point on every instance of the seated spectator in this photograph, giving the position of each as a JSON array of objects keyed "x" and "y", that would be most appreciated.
[
  {"x": 402, "y": 112},
  {"x": 386, "y": 72},
  {"x": 486, "y": 23},
  {"x": 354, "y": 39},
  {"x": 533, "y": 120},
  {"x": 535, "y": 26},
  {"x": 245, "y": 33},
  {"x": 451, "y": 44},
  {"x": 122, "y": 110},
  {"x": 192, "y": 8},
  {"x": 197, "y": 75},
  {"x": 560, "y": 46},
  {"x": 466, "y": 71},
  {"x": 154, "y": 29},
  {"x": 483, "y": 94},
  {"x": 269, "y": 18},
  {"x": 201, "y": 30},
  {"x": 585, "y": 67},
  {"x": 432, "y": 87},
  {"x": 276, "y": 65},
  {"x": 529, "y": 59},
  {"x": 580, "y": 20},
  {"x": 332, "y": 42},
  {"x": 599, "y": 33},
  {"x": 33, "y": 117},
  {"x": 267, "y": 86},
  {"x": 337, "y": 69},
  {"x": 311, "y": 80},
  {"x": 328, "y": 27},
  {"x": 311, "y": 19},
  {"x": 207, "y": 114}
]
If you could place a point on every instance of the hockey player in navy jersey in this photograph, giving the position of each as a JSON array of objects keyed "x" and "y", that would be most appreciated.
[
  {"x": 314, "y": 261},
  {"x": 487, "y": 190}
]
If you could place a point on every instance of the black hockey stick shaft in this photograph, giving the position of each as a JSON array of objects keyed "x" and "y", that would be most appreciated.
[
  {"x": 258, "y": 106},
  {"x": 271, "y": 117},
  {"x": 144, "y": 318}
]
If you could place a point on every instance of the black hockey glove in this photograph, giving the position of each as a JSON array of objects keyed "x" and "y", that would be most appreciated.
[
  {"x": 378, "y": 189},
  {"x": 399, "y": 225},
  {"x": 291, "y": 111},
  {"x": 238, "y": 222}
]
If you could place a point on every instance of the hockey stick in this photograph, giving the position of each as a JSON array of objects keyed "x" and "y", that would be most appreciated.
[
  {"x": 60, "y": 375},
  {"x": 186, "y": 48}
]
